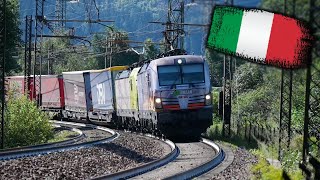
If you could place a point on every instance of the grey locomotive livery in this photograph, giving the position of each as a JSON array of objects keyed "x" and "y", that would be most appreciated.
[{"x": 174, "y": 93}]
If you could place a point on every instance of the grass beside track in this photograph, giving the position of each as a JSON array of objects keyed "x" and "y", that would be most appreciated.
[
  {"x": 261, "y": 170},
  {"x": 62, "y": 136}
]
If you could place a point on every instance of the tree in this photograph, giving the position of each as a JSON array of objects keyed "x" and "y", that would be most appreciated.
[
  {"x": 99, "y": 47},
  {"x": 65, "y": 57},
  {"x": 248, "y": 77},
  {"x": 150, "y": 49},
  {"x": 117, "y": 41},
  {"x": 13, "y": 36},
  {"x": 215, "y": 61},
  {"x": 301, "y": 7}
]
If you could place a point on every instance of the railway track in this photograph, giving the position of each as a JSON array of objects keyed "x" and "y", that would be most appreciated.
[
  {"x": 80, "y": 141},
  {"x": 127, "y": 151},
  {"x": 187, "y": 160},
  {"x": 78, "y": 137}
]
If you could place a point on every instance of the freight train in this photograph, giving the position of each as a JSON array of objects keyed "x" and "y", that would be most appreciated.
[{"x": 168, "y": 95}]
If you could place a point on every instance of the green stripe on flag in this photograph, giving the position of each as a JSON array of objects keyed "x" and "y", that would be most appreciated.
[{"x": 225, "y": 28}]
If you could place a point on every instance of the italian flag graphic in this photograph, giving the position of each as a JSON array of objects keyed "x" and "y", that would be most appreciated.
[{"x": 260, "y": 36}]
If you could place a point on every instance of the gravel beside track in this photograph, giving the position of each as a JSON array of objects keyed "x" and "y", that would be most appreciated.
[
  {"x": 240, "y": 167},
  {"x": 128, "y": 151}
]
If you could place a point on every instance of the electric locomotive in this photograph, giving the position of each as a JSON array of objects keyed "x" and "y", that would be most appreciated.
[
  {"x": 178, "y": 94},
  {"x": 170, "y": 94}
]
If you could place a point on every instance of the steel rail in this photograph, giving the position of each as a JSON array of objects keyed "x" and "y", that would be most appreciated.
[
  {"x": 47, "y": 145},
  {"x": 47, "y": 150},
  {"x": 218, "y": 158},
  {"x": 146, "y": 167}
]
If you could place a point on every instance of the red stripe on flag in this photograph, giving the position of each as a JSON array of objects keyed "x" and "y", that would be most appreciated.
[{"x": 285, "y": 43}]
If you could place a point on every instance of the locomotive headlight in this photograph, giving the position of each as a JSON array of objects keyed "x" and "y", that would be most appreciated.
[
  {"x": 208, "y": 97},
  {"x": 179, "y": 61},
  {"x": 158, "y": 100},
  {"x": 208, "y": 100},
  {"x": 158, "y": 104}
]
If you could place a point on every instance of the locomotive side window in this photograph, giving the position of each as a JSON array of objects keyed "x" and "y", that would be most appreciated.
[
  {"x": 192, "y": 73},
  {"x": 169, "y": 75}
]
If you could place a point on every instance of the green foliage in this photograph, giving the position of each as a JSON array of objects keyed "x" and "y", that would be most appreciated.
[
  {"x": 269, "y": 150},
  {"x": 99, "y": 48},
  {"x": 75, "y": 62},
  {"x": 314, "y": 150},
  {"x": 263, "y": 170},
  {"x": 150, "y": 49},
  {"x": 215, "y": 100},
  {"x": 248, "y": 77},
  {"x": 291, "y": 159},
  {"x": 25, "y": 124},
  {"x": 301, "y": 10},
  {"x": 215, "y": 132},
  {"x": 66, "y": 58},
  {"x": 259, "y": 105},
  {"x": 122, "y": 53},
  {"x": 215, "y": 61},
  {"x": 13, "y": 36}
]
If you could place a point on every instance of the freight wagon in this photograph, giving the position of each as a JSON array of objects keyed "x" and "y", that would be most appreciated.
[
  {"x": 15, "y": 84},
  {"x": 102, "y": 89},
  {"x": 52, "y": 93},
  {"x": 90, "y": 94}
]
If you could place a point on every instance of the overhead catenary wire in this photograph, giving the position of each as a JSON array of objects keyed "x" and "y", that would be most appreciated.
[{"x": 132, "y": 34}]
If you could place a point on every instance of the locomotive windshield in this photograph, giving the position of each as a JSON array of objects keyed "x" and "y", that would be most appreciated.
[
  {"x": 169, "y": 75},
  {"x": 180, "y": 74}
]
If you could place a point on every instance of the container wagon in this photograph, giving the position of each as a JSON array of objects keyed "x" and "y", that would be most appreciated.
[
  {"x": 89, "y": 95},
  {"x": 102, "y": 93}
]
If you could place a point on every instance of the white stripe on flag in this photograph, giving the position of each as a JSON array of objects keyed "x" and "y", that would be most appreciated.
[{"x": 254, "y": 34}]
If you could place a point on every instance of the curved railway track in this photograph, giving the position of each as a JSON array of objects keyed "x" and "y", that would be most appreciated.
[
  {"x": 187, "y": 160},
  {"x": 129, "y": 150},
  {"x": 70, "y": 144},
  {"x": 71, "y": 140},
  {"x": 146, "y": 167}
]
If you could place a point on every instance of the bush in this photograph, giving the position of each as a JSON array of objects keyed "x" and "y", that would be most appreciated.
[
  {"x": 25, "y": 124},
  {"x": 263, "y": 170}
]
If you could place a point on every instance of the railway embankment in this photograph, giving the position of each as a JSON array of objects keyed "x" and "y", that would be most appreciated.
[
  {"x": 240, "y": 167},
  {"x": 127, "y": 151},
  {"x": 251, "y": 153}
]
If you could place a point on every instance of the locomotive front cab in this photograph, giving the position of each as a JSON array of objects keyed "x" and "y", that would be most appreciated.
[{"x": 183, "y": 96}]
